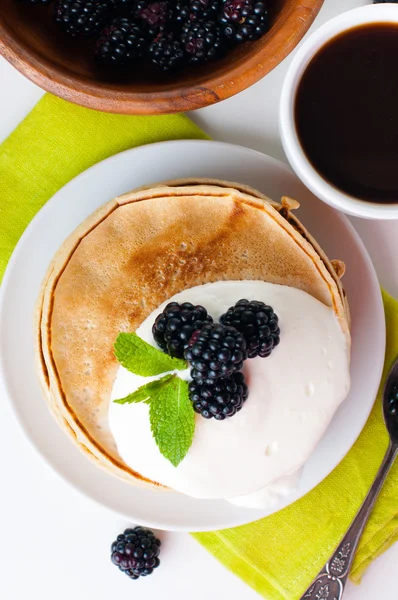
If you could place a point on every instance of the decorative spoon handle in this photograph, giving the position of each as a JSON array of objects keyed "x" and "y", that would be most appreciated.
[{"x": 330, "y": 583}]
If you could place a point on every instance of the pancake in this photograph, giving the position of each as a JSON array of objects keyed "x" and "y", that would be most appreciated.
[{"x": 133, "y": 254}]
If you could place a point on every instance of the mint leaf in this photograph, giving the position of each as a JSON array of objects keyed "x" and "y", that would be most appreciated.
[
  {"x": 146, "y": 392},
  {"x": 172, "y": 420},
  {"x": 143, "y": 359}
]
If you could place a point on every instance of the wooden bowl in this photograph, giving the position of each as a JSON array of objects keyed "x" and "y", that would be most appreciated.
[{"x": 31, "y": 42}]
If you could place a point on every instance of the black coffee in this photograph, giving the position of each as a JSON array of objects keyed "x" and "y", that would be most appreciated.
[{"x": 346, "y": 112}]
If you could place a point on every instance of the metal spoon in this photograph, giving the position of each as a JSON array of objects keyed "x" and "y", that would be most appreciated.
[{"x": 330, "y": 583}]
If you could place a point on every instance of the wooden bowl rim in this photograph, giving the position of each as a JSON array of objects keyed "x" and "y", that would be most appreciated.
[{"x": 299, "y": 16}]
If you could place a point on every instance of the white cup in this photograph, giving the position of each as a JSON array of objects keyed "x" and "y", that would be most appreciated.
[{"x": 375, "y": 13}]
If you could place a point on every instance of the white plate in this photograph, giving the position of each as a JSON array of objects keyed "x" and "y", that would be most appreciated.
[{"x": 67, "y": 209}]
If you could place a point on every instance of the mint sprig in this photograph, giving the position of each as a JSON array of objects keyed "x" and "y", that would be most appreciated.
[
  {"x": 143, "y": 359},
  {"x": 171, "y": 415},
  {"x": 146, "y": 392},
  {"x": 173, "y": 420}
]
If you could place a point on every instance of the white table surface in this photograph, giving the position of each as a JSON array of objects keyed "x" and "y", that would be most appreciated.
[{"x": 54, "y": 542}]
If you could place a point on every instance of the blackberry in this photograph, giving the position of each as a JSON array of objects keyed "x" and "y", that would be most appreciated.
[
  {"x": 202, "y": 40},
  {"x": 153, "y": 15},
  {"x": 180, "y": 14},
  {"x": 174, "y": 327},
  {"x": 121, "y": 43},
  {"x": 167, "y": 53},
  {"x": 204, "y": 9},
  {"x": 214, "y": 352},
  {"x": 244, "y": 20},
  {"x": 257, "y": 322},
  {"x": 221, "y": 400},
  {"x": 82, "y": 18},
  {"x": 136, "y": 552}
]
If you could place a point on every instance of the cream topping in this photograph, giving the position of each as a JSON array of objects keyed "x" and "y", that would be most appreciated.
[{"x": 293, "y": 395}]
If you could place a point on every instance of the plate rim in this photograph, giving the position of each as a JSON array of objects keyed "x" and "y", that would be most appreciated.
[{"x": 19, "y": 250}]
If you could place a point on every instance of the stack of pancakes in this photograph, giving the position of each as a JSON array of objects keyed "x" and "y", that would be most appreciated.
[{"x": 133, "y": 254}]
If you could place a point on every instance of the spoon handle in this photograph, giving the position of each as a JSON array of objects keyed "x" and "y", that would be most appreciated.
[{"x": 330, "y": 583}]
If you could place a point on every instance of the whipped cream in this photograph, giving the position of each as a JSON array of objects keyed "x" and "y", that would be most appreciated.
[{"x": 293, "y": 395}]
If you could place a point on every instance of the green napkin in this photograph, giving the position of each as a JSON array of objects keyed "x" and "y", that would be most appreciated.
[{"x": 278, "y": 556}]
